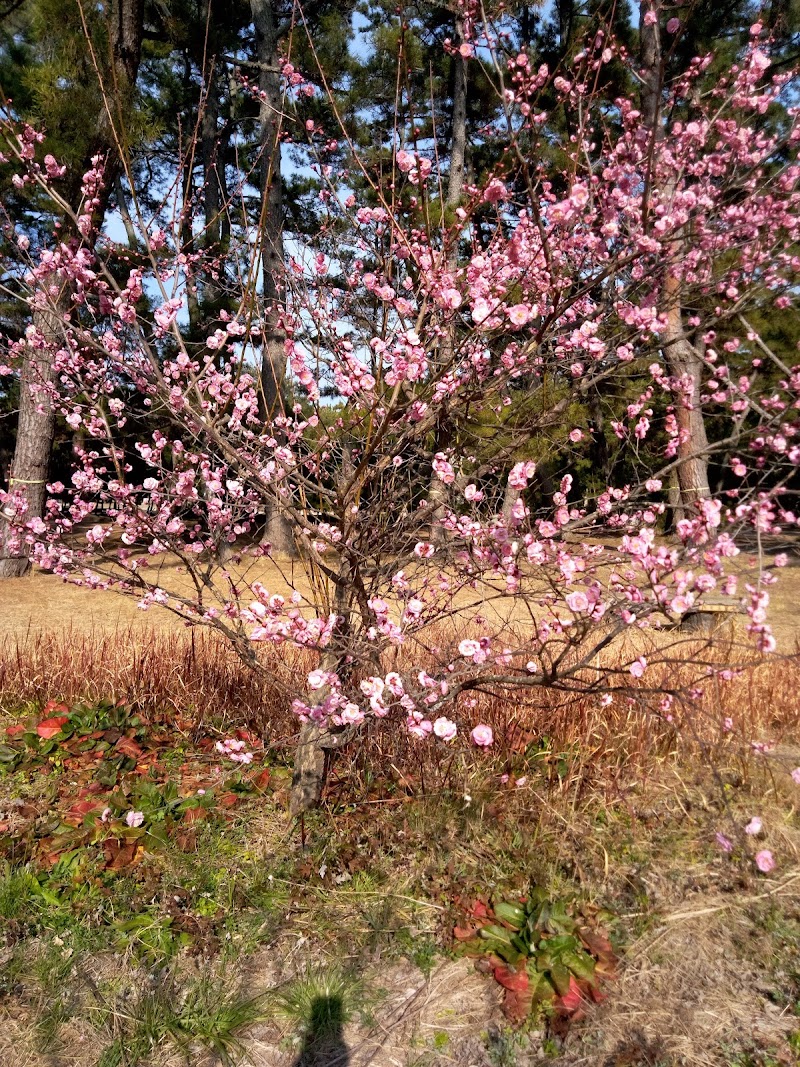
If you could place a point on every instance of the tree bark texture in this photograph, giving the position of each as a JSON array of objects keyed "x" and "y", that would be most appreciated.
[
  {"x": 439, "y": 494},
  {"x": 36, "y": 423},
  {"x": 35, "y": 428},
  {"x": 278, "y": 531},
  {"x": 682, "y": 359}
]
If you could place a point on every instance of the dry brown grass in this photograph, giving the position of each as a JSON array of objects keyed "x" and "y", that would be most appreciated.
[{"x": 697, "y": 970}]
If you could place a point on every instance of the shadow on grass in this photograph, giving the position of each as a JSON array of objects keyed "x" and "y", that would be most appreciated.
[{"x": 324, "y": 1045}]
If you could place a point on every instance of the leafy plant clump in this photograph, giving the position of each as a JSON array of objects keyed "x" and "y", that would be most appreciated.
[{"x": 548, "y": 955}]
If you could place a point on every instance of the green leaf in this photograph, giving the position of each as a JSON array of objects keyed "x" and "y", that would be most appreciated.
[
  {"x": 580, "y": 963},
  {"x": 496, "y": 933},
  {"x": 562, "y": 943},
  {"x": 521, "y": 945},
  {"x": 560, "y": 975},
  {"x": 512, "y": 914},
  {"x": 542, "y": 989}
]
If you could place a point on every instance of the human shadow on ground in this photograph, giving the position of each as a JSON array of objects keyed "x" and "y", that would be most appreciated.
[{"x": 323, "y": 1044}]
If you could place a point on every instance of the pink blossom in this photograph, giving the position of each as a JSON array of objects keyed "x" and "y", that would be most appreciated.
[
  {"x": 673, "y": 25},
  {"x": 482, "y": 735},
  {"x": 724, "y": 843},
  {"x": 419, "y": 727},
  {"x": 372, "y": 687},
  {"x": 445, "y": 729},
  {"x": 796, "y": 776},
  {"x": 351, "y": 714},
  {"x": 576, "y": 435},
  {"x": 424, "y": 549},
  {"x": 638, "y": 667},
  {"x": 578, "y": 602},
  {"x": 753, "y": 827},
  {"x": 134, "y": 818},
  {"x": 765, "y": 861},
  {"x": 468, "y": 647},
  {"x": 521, "y": 473},
  {"x": 519, "y": 314},
  {"x": 495, "y": 191}
]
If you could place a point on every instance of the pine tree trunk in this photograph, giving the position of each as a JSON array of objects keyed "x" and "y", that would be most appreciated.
[
  {"x": 36, "y": 424},
  {"x": 681, "y": 357},
  {"x": 35, "y": 430},
  {"x": 278, "y": 530},
  {"x": 438, "y": 493}
]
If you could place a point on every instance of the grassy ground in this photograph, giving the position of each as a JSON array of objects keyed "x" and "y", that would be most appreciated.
[{"x": 217, "y": 931}]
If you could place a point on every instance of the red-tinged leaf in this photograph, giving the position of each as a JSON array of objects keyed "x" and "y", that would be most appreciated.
[
  {"x": 479, "y": 910},
  {"x": 517, "y": 1005},
  {"x": 464, "y": 933},
  {"x": 196, "y": 814},
  {"x": 119, "y": 854},
  {"x": 229, "y": 800},
  {"x": 187, "y": 840},
  {"x": 261, "y": 780},
  {"x": 48, "y": 728},
  {"x": 128, "y": 747},
  {"x": 15, "y": 731},
  {"x": 54, "y": 706},
  {"x": 516, "y": 981},
  {"x": 573, "y": 1000}
]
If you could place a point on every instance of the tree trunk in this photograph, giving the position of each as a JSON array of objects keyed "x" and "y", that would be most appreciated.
[
  {"x": 278, "y": 530},
  {"x": 312, "y": 753},
  {"x": 438, "y": 493},
  {"x": 310, "y": 760},
  {"x": 36, "y": 424},
  {"x": 681, "y": 357},
  {"x": 35, "y": 429}
]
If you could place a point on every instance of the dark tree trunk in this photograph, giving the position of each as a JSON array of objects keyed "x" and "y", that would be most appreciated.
[
  {"x": 36, "y": 425},
  {"x": 35, "y": 428},
  {"x": 278, "y": 531},
  {"x": 439, "y": 492},
  {"x": 681, "y": 357}
]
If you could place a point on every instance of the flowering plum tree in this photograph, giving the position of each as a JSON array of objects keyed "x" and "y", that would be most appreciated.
[{"x": 567, "y": 286}]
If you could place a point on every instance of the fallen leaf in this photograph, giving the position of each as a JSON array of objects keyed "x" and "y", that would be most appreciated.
[
  {"x": 128, "y": 747},
  {"x": 195, "y": 814},
  {"x": 261, "y": 780},
  {"x": 464, "y": 933}
]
